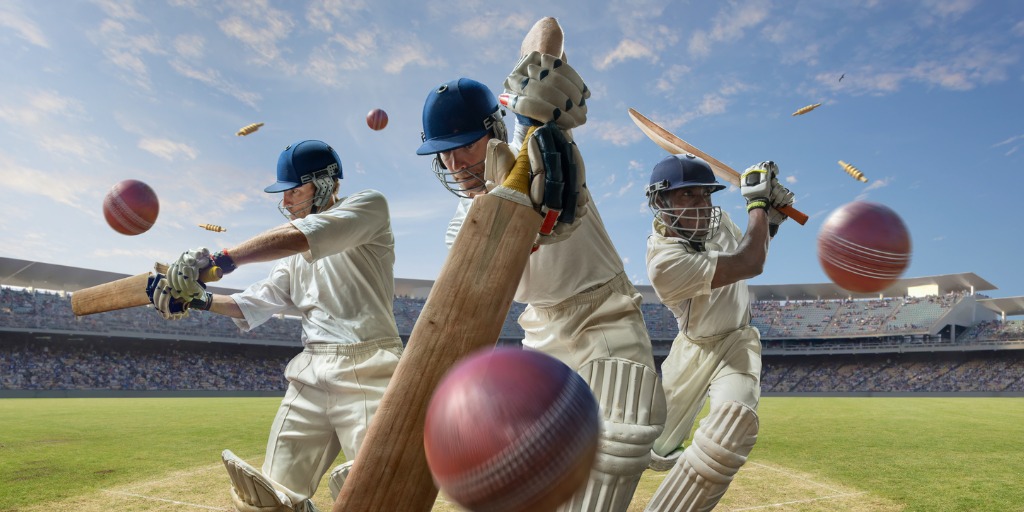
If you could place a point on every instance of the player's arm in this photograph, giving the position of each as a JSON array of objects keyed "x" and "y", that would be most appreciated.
[{"x": 748, "y": 259}]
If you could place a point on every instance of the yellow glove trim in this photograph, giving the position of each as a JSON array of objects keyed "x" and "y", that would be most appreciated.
[{"x": 519, "y": 177}]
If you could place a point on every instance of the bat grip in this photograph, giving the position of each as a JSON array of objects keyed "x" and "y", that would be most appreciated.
[
  {"x": 797, "y": 215},
  {"x": 208, "y": 275}
]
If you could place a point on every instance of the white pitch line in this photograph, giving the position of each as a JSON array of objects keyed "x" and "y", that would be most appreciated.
[
  {"x": 165, "y": 500},
  {"x": 792, "y": 475},
  {"x": 801, "y": 501}
]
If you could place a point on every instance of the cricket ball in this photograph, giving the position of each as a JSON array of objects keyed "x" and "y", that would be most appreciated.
[
  {"x": 377, "y": 119},
  {"x": 511, "y": 430},
  {"x": 864, "y": 247},
  {"x": 131, "y": 207}
]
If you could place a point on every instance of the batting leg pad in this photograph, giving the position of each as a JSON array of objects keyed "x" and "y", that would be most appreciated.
[
  {"x": 632, "y": 407},
  {"x": 337, "y": 478},
  {"x": 659, "y": 463},
  {"x": 720, "y": 447},
  {"x": 253, "y": 492}
]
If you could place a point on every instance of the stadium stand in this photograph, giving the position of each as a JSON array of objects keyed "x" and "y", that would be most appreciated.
[{"x": 816, "y": 338}]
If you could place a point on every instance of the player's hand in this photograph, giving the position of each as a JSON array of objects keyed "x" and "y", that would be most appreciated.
[
  {"x": 183, "y": 274},
  {"x": 159, "y": 291},
  {"x": 781, "y": 196},
  {"x": 756, "y": 184},
  {"x": 558, "y": 182},
  {"x": 545, "y": 88}
]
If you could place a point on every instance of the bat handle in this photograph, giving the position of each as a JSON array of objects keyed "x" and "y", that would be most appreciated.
[
  {"x": 208, "y": 275},
  {"x": 797, "y": 215}
]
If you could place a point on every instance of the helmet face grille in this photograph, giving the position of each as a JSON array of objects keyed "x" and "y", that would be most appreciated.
[
  {"x": 695, "y": 225},
  {"x": 474, "y": 184}
]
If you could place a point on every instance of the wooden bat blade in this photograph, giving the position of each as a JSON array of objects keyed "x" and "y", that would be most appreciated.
[
  {"x": 464, "y": 312},
  {"x": 546, "y": 37},
  {"x": 669, "y": 142},
  {"x": 128, "y": 292},
  {"x": 123, "y": 293}
]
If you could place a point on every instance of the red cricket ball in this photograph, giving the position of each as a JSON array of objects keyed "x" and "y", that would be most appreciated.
[
  {"x": 131, "y": 207},
  {"x": 377, "y": 119},
  {"x": 510, "y": 430},
  {"x": 864, "y": 247}
]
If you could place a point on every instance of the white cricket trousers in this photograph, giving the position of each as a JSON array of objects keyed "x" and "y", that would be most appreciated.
[
  {"x": 333, "y": 391},
  {"x": 602, "y": 323},
  {"x": 725, "y": 369}
]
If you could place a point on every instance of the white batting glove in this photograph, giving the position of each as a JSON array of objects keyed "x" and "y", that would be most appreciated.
[
  {"x": 545, "y": 88},
  {"x": 756, "y": 184},
  {"x": 183, "y": 274},
  {"x": 781, "y": 196},
  {"x": 159, "y": 291}
]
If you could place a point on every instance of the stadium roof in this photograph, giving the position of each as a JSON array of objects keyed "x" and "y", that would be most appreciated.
[
  {"x": 967, "y": 281},
  {"x": 49, "y": 276},
  {"x": 1008, "y": 306}
]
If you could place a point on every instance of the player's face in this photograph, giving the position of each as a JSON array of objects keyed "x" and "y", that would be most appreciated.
[
  {"x": 466, "y": 165},
  {"x": 299, "y": 200},
  {"x": 688, "y": 205}
]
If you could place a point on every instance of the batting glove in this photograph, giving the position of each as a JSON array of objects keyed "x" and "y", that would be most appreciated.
[
  {"x": 183, "y": 274},
  {"x": 159, "y": 291},
  {"x": 545, "y": 88},
  {"x": 756, "y": 184}
]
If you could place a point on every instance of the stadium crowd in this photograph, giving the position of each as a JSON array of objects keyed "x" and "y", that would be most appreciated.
[{"x": 208, "y": 352}]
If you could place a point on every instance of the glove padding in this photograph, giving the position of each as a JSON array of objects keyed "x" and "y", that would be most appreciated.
[
  {"x": 183, "y": 274},
  {"x": 781, "y": 196},
  {"x": 546, "y": 89},
  {"x": 557, "y": 179},
  {"x": 756, "y": 184},
  {"x": 158, "y": 288}
]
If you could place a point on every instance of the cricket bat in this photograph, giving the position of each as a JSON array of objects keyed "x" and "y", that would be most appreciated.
[
  {"x": 124, "y": 293},
  {"x": 464, "y": 312},
  {"x": 669, "y": 142}
]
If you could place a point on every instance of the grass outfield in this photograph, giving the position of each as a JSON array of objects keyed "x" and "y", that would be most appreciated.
[{"x": 861, "y": 454}]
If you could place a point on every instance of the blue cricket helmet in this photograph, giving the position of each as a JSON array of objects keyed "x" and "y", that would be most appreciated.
[
  {"x": 457, "y": 113},
  {"x": 683, "y": 170},
  {"x": 303, "y": 162}
]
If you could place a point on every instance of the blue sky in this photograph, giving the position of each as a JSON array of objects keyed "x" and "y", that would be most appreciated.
[{"x": 94, "y": 92}]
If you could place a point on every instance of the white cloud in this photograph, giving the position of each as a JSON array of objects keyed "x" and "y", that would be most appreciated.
[
  {"x": 627, "y": 49},
  {"x": 410, "y": 53},
  {"x": 190, "y": 46},
  {"x": 213, "y": 78},
  {"x": 490, "y": 26},
  {"x": 88, "y": 147},
  {"x": 168, "y": 149},
  {"x": 37, "y": 107},
  {"x": 321, "y": 13},
  {"x": 728, "y": 25},
  {"x": 64, "y": 188},
  {"x": 119, "y": 9},
  {"x": 127, "y": 51},
  {"x": 790, "y": 179},
  {"x": 618, "y": 134},
  {"x": 262, "y": 29},
  {"x": 672, "y": 77},
  {"x": 24, "y": 27}
]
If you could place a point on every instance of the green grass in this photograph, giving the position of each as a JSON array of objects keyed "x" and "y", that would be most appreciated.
[
  {"x": 52, "y": 449},
  {"x": 925, "y": 453},
  {"x": 928, "y": 453}
]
